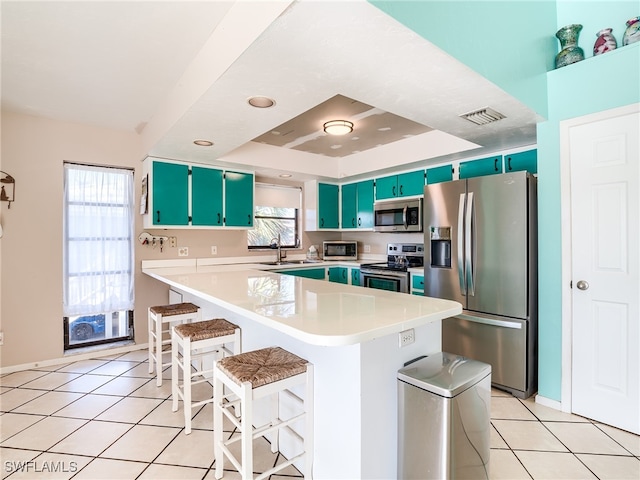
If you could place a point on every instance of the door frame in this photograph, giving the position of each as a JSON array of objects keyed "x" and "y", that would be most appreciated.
[{"x": 566, "y": 233}]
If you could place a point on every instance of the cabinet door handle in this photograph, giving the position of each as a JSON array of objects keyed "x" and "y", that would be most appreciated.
[
  {"x": 509, "y": 163},
  {"x": 219, "y": 218},
  {"x": 495, "y": 164},
  {"x": 393, "y": 190},
  {"x": 322, "y": 222},
  {"x": 249, "y": 217},
  {"x": 359, "y": 221},
  {"x": 401, "y": 193},
  {"x": 158, "y": 216},
  {"x": 353, "y": 222},
  {"x": 344, "y": 274}
]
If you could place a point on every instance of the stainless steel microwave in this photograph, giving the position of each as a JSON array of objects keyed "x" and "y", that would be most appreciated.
[
  {"x": 398, "y": 215},
  {"x": 340, "y": 250}
]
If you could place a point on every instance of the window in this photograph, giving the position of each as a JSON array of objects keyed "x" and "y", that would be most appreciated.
[
  {"x": 277, "y": 213},
  {"x": 98, "y": 255}
]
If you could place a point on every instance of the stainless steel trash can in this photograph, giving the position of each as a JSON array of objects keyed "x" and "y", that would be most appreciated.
[{"x": 444, "y": 408}]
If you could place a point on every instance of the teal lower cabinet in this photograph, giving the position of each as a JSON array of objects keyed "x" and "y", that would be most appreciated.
[
  {"x": 355, "y": 276},
  {"x": 316, "y": 273},
  {"x": 339, "y": 274},
  {"x": 417, "y": 284}
]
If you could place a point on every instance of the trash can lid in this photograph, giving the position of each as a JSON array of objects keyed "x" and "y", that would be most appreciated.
[{"x": 444, "y": 374}]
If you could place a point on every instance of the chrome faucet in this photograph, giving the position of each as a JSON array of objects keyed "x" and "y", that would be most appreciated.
[{"x": 278, "y": 245}]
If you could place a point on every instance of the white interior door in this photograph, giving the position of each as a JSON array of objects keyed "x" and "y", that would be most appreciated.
[{"x": 605, "y": 217}]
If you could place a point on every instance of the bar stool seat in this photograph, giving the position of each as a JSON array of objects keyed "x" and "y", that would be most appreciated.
[
  {"x": 195, "y": 341},
  {"x": 160, "y": 315},
  {"x": 252, "y": 375}
]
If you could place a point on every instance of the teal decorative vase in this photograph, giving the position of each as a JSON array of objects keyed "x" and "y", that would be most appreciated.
[
  {"x": 570, "y": 52},
  {"x": 632, "y": 33}
]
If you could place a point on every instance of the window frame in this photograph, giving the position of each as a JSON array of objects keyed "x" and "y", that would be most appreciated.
[
  {"x": 67, "y": 204},
  {"x": 296, "y": 232}
]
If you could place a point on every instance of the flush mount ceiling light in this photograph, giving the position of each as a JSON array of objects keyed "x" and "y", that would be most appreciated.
[
  {"x": 203, "y": 143},
  {"x": 261, "y": 102},
  {"x": 285, "y": 175},
  {"x": 338, "y": 127}
]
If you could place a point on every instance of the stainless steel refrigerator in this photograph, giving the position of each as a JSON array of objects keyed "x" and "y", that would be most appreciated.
[{"x": 481, "y": 244}]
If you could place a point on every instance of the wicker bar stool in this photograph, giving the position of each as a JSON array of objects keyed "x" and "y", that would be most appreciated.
[
  {"x": 248, "y": 377},
  {"x": 193, "y": 342},
  {"x": 158, "y": 317}
]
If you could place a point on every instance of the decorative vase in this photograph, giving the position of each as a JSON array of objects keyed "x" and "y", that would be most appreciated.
[
  {"x": 605, "y": 42},
  {"x": 632, "y": 33},
  {"x": 570, "y": 52}
]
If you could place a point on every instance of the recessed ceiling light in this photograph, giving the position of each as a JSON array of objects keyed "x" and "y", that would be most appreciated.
[
  {"x": 285, "y": 175},
  {"x": 338, "y": 127},
  {"x": 203, "y": 143},
  {"x": 261, "y": 102}
]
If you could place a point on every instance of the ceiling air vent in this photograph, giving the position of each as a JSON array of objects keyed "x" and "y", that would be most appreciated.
[{"x": 483, "y": 116}]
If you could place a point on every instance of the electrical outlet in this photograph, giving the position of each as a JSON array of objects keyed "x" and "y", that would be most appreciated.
[
  {"x": 407, "y": 337},
  {"x": 183, "y": 252},
  {"x": 367, "y": 249},
  {"x": 1, "y": 338},
  {"x": 214, "y": 250},
  {"x": 173, "y": 242}
]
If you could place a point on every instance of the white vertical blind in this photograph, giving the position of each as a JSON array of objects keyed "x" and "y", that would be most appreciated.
[{"x": 98, "y": 243}]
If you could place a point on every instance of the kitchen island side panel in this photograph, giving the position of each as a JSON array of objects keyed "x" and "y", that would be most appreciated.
[{"x": 355, "y": 411}]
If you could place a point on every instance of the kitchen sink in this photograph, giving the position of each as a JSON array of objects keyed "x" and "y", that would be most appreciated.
[{"x": 290, "y": 262}]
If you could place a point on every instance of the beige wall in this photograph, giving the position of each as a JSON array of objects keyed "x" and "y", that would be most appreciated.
[{"x": 33, "y": 152}]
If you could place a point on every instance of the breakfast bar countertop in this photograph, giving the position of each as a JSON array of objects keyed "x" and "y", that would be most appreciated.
[{"x": 314, "y": 311}]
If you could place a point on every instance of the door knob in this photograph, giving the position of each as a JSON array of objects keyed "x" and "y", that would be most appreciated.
[{"x": 582, "y": 285}]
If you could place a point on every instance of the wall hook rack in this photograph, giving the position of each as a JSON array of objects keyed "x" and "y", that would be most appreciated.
[{"x": 8, "y": 188}]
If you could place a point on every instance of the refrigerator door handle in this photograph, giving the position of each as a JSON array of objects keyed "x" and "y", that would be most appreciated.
[
  {"x": 461, "y": 265},
  {"x": 468, "y": 247}
]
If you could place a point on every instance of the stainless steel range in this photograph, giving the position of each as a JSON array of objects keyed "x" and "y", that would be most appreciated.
[{"x": 393, "y": 275}]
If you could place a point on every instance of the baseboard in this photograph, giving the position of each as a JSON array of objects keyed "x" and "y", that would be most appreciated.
[
  {"x": 84, "y": 354},
  {"x": 547, "y": 402}
]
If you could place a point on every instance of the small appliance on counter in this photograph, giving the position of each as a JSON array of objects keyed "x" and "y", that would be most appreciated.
[
  {"x": 393, "y": 275},
  {"x": 340, "y": 250}
]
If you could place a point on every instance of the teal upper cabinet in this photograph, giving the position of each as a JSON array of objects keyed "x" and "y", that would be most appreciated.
[
  {"x": 483, "y": 166},
  {"x": 443, "y": 173},
  {"x": 170, "y": 194},
  {"x": 401, "y": 185},
  {"x": 350, "y": 205},
  {"x": 181, "y": 195},
  {"x": 328, "y": 205},
  {"x": 357, "y": 205},
  {"x": 206, "y": 196},
  {"x": 522, "y": 161},
  {"x": 238, "y": 199},
  {"x": 365, "y": 204}
]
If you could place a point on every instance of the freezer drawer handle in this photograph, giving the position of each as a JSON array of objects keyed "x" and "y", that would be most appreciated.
[{"x": 488, "y": 321}]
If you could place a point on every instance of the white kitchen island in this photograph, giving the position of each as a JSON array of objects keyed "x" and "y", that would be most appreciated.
[{"x": 349, "y": 333}]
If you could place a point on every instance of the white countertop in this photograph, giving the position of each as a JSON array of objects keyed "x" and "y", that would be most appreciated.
[{"x": 314, "y": 311}]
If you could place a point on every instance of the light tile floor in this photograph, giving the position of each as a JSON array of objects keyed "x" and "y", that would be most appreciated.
[{"x": 106, "y": 419}]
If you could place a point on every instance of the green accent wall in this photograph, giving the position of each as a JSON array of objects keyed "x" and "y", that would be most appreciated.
[{"x": 513, "y": 45}]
